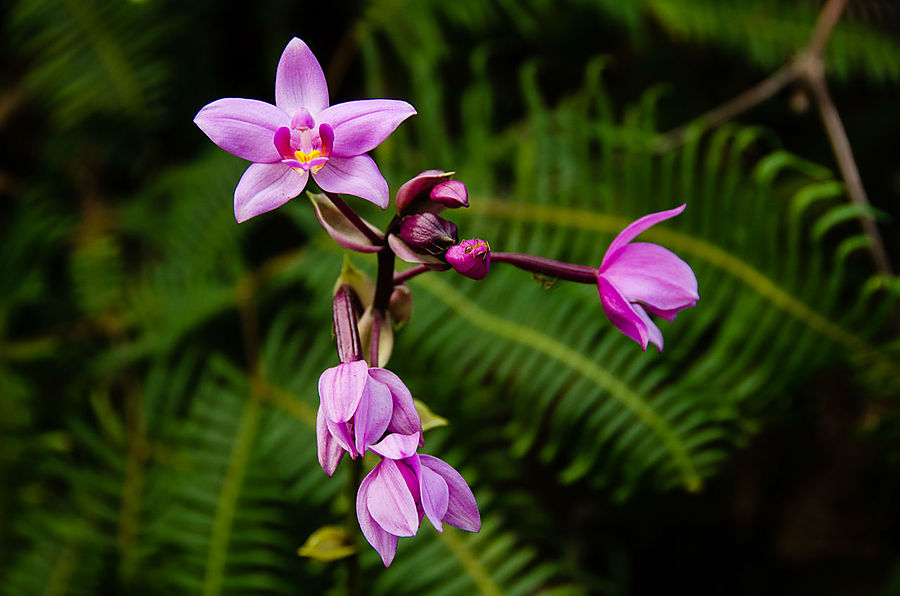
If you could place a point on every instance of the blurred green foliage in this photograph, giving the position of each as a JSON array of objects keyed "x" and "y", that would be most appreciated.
[{"x": 158, "y": 362}]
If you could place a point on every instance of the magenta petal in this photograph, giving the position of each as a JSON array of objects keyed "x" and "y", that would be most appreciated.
[
  {"x": 405, "y": 418},
  {"x": 451, "y": 193},
  {"x": 390, "y": 502},
  {"x": 341, "y": 433},
  {"x": 299, "y": 80},
  {"x": 357, "y": 176},
  {"x": 668, "y": 315},
  {"x": 360, "y": 126},
  {"x": 434, "y": 494},
  {"x": 243, "y": 127},
  {"x": 266, "y": 186},
  {"x": 326, "y": 139},
  {"x": 372, "y": 415},
  {"x": 635, "y": 228},
  {"x": 397, "y": 446},
  {"x": 381, "y": 541},
  {"x": 341, "y": 389},
  {"x": 330, "y": 452},
  {"x": 621, "y": 313},
  {"x": 653, "y": 275},
  {"x": 462, "y": 510},
  {"x": 282, "y": 141},
  {"x": 654, "y": 335}
]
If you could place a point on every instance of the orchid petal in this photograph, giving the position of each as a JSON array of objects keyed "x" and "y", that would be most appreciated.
[
  {"x": 381, "y": 541},
  {"x": 341, "y": 388},
  {"x": 330, "y": 451},
  {"x": 397, "y": 446},
  {"x": 299, "y": 80},
  {"x": 621, "y": 313},
  {"x": 282, "y": 141},
  {"x": 636, "y": 227},
  {"x": 266, "y": 186},
  {"x": 405, "y": 418},
  {"x": 653, "y": 275},
  {"x": 326, "y": 139},
  {"x": 434, "y": 495},
  {"x": 654, "y": 335},
  {"x": 668, "y": 315},
  {"x": 372, "y": 415},
  {"x": 390, "y": 501},
  {"x": 357, "y": 176},
  {"x": 360, "y": 126},
  {"x": 340, "y": 432},
  {"x": 243, "y": 127},
  {"x": 462, "y": 510}
]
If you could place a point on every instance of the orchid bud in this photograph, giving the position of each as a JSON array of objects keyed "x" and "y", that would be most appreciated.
[
  {"x": 401, "y": 304},
  {"x": 346, "y": 310},
  {"x": 471, "y": 258},
  {"x": 428, "y": 233},
  {"x": 415, "y": 196},
  {"x": 451, "y": 193}
]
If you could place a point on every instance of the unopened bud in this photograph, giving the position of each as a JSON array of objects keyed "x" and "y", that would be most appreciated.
[
  {"x": 451, "y": 193},
  {"x": 431, "y": 191},
  {"x": 471, "y": 258},
  {"x": 346, "y": 309},
  {"x": 401, "y": 304},
  {"x": 428, "y": 233}
]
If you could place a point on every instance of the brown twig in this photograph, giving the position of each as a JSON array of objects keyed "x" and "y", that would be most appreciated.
[
  {"x": 806, "y": 67},
  {"x": 840, "y": 144}
]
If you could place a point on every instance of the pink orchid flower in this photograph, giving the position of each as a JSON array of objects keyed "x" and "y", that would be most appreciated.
[
  {"x": 405, "y": 487},
  {"x": 302, "y": 135},
  {"x": 636, "y": 278},
  {"x": 357, "y": 405}
]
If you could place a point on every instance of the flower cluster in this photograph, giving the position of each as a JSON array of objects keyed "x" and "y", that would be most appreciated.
[
  {"x": 365, "y": 408},
  {"x": 357, "y": 405}
]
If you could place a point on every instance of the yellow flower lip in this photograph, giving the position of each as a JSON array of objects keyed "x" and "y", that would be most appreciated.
[{"x": 314, "y": 157}]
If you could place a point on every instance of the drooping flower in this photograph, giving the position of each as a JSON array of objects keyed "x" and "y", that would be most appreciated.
[
  {"x": 636, "y": 278},
  {"x": 357, "y": 405},
  {"x": 302, "y": 135},
  {"x": 405, "y": 487},
  {"x": 471, "y": 258}
]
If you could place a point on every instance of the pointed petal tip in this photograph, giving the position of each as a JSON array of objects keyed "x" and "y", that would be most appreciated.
[{"x": 299, "y": 80}]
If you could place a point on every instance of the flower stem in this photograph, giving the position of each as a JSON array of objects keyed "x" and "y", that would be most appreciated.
[
  {"x": 384, "y": 283},
  {"x": 353, "y": 218},
  {"x": 549, "y": 267},
  {"x": 410, "y": 273}
]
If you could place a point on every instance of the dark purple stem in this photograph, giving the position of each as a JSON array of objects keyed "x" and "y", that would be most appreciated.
[
  {"x": 354, "y": 219},
  {"x": 417, "y": 270},
  {"x": 384, "y": 286},
  {"x": 548, "y": 267}
]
